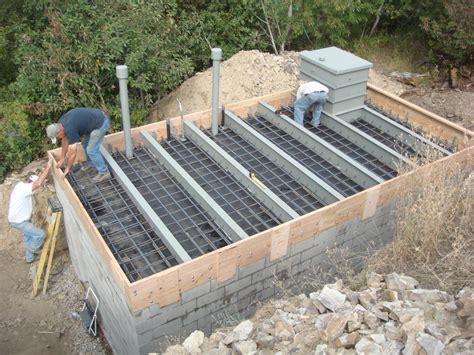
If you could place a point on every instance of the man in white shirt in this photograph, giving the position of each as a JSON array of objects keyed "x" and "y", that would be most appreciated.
[
  {"x": 309, "y": 94},
  {"x": 21, "y": 209}
]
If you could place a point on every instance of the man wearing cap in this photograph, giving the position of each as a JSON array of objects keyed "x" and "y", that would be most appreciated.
[
  {"x": 309, "y": 94},
  {"x": 90, "y": 123},
  {"x": 21, "y": 209}
]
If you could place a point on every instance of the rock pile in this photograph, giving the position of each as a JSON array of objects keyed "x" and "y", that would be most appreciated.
[{"x": 391, "y": 316}]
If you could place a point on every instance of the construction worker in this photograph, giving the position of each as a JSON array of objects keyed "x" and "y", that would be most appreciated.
[
  {"x": 21, "y": 209},
  {"x": 310, "y": 94},
  {"x": 92, "y": 124}
]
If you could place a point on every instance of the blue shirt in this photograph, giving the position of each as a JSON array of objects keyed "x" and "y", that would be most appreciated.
[{"x": 81, "y": 121}]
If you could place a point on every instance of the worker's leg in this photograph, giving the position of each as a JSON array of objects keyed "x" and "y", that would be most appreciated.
[
  {"x": 319, "y": 99},
  {"x": 33, "y": 237},
  {"x": 301, "y": 105},
  {"x": 93, "y": 148},
  {"x": 85, "y": 143}
]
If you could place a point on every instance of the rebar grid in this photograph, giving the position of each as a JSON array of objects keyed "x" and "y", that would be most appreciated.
[
  {"x": 452, "y": 147},
  {"x": 396, "y": 144},
  {"x": 347, "y": 147},
  {"x": 223, "y": 188},
  {"x": 133, "y": 243},
  {"x": 191, "y": 226},
  {"x": 319, "y": 166},
  {"x": 282, "y": 184}
]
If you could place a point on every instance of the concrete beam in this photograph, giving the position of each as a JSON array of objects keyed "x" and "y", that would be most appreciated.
[
  {"x": 352, "y": 169},
  {"x": 147, "y": 211},
  {"x": 262, "y": 193},
  {"x": 361, "y": 139},
  {"x": 222, "y": 219},
  {"x": 300, "y": 173}
]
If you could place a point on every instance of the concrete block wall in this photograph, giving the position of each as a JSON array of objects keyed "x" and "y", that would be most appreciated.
[
  {"x": 115, "y": 318},
  {"x": 215, "y": 304}
]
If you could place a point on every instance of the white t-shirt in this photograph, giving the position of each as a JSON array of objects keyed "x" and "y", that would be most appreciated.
[
  {"x": 21, "y": 203},
  {"x": 308, "y": 88}
]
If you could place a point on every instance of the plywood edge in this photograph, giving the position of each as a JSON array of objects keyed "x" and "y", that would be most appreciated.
[{"x": 430, "y": 122}]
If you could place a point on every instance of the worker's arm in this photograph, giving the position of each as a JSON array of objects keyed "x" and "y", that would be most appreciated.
[
  {"x": 42, "y": 177},
  {"x": 64, "y": 150},
  {"x": 71, "y": 158}
]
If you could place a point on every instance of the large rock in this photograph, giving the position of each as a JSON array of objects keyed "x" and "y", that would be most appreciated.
[
  {"x": 398, "y": 282},
  {"x": 442, "y": 333},
  {"x": 392, "y": 332},
  {"x": 330, "y": 326},
  {"x": 194, "y": 341},
  {"x": 460, "y": 347},
  {"x": 243, "y": 330},
  {"x": 283, "y": 331},
  {"x": 245, "y": 347},
  {"x": 431, "y": 345},
  {"x": 374, "y": 280},
  {"x": 430, "y": 296},
  {"x": 176, "y": 350},
  {"x": 392, "y": 347},
  {"x": 347, "y": 340},
  {"x": 265, "y": 341},
  {"x": 466, "y": 302},
  {"x": 331, "y": 298},
  {"x": 367, "y": 347}
]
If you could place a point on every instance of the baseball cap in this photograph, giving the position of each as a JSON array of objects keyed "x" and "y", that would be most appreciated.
[
  {"x": 33, "y": 178},
  {"x": 51, "y": 131}
]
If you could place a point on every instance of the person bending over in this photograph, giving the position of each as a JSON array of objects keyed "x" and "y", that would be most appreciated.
[
  {"x": 89, "y": 123},
  {"x": 309, "y": 94}
]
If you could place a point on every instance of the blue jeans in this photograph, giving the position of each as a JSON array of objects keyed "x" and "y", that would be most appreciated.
[
  {"x": 305, "y": 102},
  {"x": 33, "y": 237},
  {"x": 91, "y": 145}
]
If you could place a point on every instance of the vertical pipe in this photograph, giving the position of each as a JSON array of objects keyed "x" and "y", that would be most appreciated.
[
  {"x": 122, "y": 75},
  {"x": 216, "y": 56}
]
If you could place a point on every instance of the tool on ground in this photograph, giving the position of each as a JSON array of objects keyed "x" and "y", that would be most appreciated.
[
  {"x": 88, "y": 313},
  {"x": 257, "y": 181},
  {"x": 54, "y": 220}
]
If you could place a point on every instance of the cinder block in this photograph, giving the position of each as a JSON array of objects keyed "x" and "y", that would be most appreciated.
[
  {"x": 288, "y": 262},
  {"x": 195, "y": 315},
  {"x": 145, "y": 338},
  {"x": 263, "y": 274},
  {"x": 205, "y": 325},
  {"x": 210, "y": 297},
  {"x": 251, "y": 268},
  {"x": 238, "y": 285},
  {"x": 302, "y": 246},
  {"x": 216, "y": 285},
  {"x": 169, "y": 328},
  {"x": 265, "y": 294},
  {"x": 249, "y": 290},
  {"x": 195, "y": 292}
]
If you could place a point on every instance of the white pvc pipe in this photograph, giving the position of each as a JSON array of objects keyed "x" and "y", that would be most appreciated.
[
  {"x": 216, "y": 56},
  {"x": 122, "y": 75}
]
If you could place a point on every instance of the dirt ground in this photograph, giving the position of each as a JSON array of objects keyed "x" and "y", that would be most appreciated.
[{"x": 46, "y": 324}]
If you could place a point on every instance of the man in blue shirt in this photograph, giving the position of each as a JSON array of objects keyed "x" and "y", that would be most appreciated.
[{"x": 90, "y": 123}]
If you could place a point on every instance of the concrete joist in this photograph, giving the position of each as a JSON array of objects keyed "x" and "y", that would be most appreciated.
[
  {"x": 346, "y": 164},
  {"x": 222, "y": 219},
  {"x": 300, "y": 173},
  {"x": 263, "y": 194},
  {"x": 398, "y": 131},
  {"x": 143, "y": 206},
  {"x": 385, "y": 154}
]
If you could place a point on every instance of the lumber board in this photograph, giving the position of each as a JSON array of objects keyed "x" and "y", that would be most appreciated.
[
  {"x": 226, "y": 263},
  {"x": 254, "y": 248},
  {"x": 419, "y": 117},
  {"x": 197, "y": 271},
  {"x": 163, "y": 290},
  {"x": 370, "y": 205},
  {"x": 279, "y": 241}
]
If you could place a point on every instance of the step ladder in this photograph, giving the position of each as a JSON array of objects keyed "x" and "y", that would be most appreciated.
[
  {"x": 88, "y": 313},
  {"x": 54, "y": 221}
]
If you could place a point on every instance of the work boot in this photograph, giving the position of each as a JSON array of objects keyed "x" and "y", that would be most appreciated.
[
  {"x": 86, "y": 168},
  {"x": 101, "y": 177}
]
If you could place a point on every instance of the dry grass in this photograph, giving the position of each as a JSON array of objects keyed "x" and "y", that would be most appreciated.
[{"x": 433, "y": 239}]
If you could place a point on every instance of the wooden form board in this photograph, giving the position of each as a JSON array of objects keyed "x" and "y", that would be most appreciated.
[
  {"x": 419, "y": 117},
  {"x": 166, "y": 287}
]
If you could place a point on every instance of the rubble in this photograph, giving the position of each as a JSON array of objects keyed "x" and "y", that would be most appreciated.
[{"x": 416, "y": 321}]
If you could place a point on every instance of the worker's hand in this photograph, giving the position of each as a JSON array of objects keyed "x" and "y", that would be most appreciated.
[
  {"x": 49, "y": 164},
  {"x": 60, "y": 163}
]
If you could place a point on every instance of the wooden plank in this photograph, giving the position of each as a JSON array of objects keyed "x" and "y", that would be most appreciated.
[
  {"x": 197, "y": 271},
  {"x": 419, "y": 117},
  {"x": 279, "y": 241},
  {"x": 254, "y": 248},
  {"x": 370, "y": 205},
  {"x": 161, "y": 289},
  {"x": 226, "y": 263}
]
